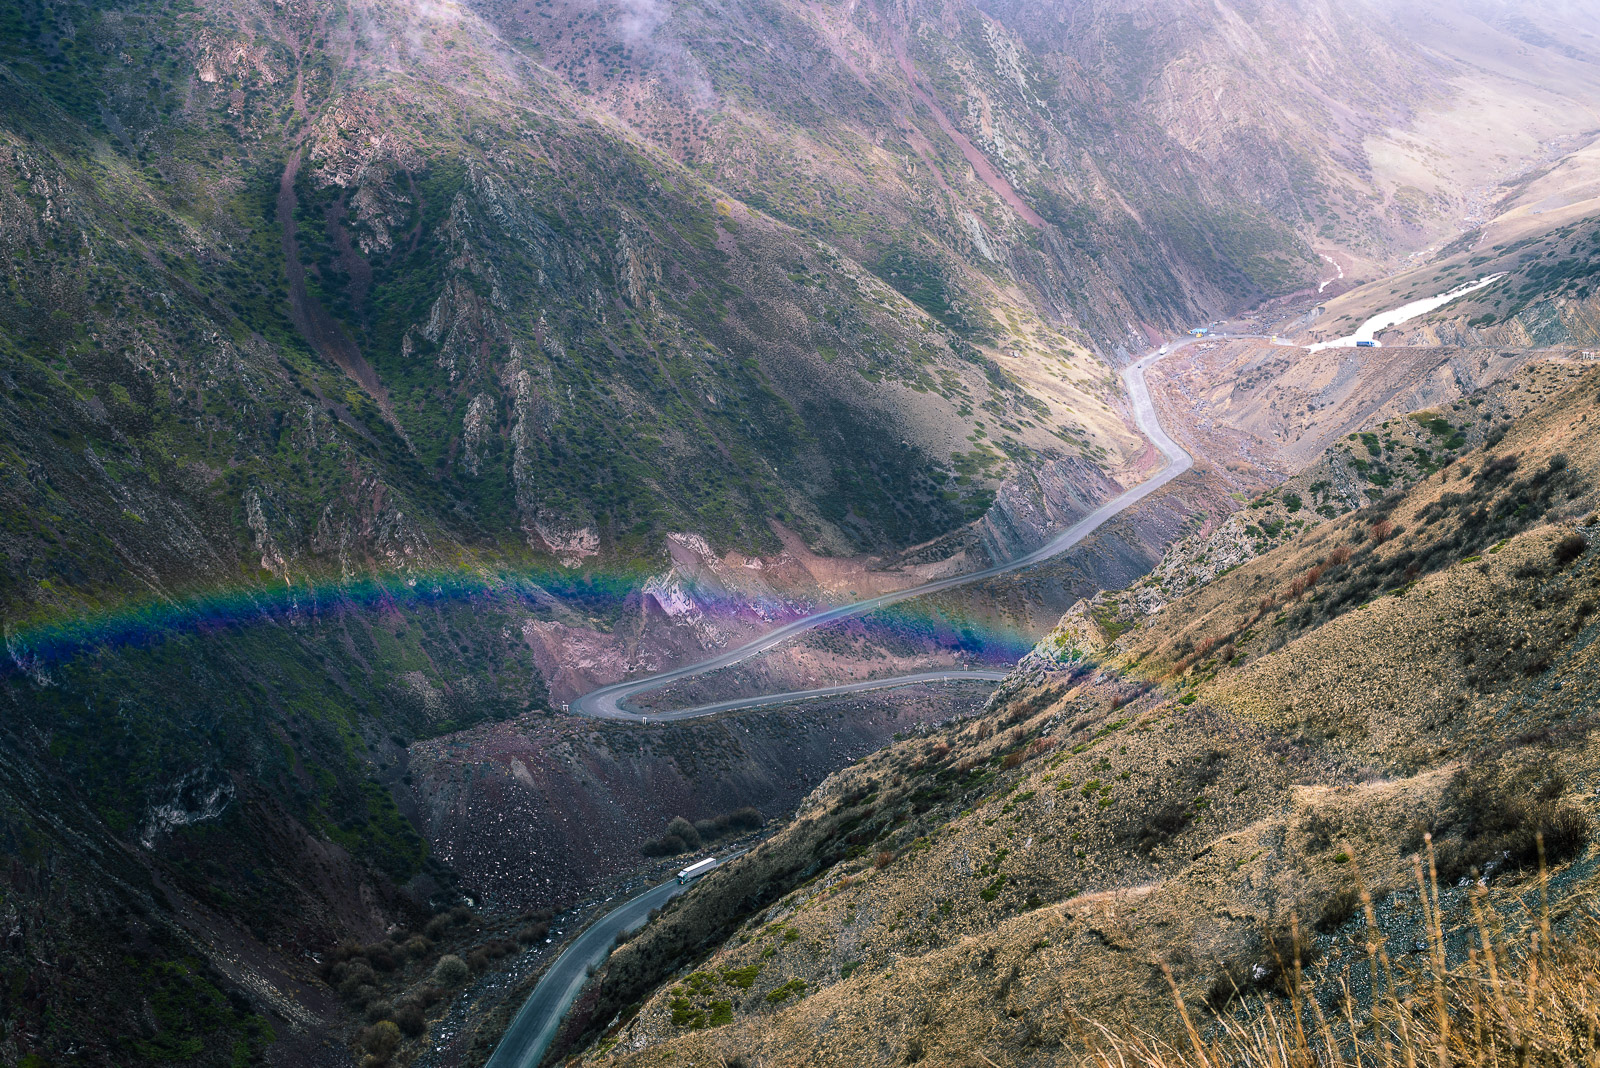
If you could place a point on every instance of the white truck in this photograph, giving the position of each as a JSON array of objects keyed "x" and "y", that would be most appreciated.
[{"x": 697, "y": 869}]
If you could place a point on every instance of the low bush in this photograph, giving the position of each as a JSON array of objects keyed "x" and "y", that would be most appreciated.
[
  {"x": 381, "y": 1040},
  {"x": 410, "y": 1019},
  {"x": 683, "y": 837},
  {"x": 353, "y": 976},
  {"x": 680, "y": 837},
  {"x": 1569, "y": 549},
  {"x": 1495, "y": 817},
  {"x": 445, "y": 922},
  {"x": 1339, "y": 907},
  {"x": 790, "y": 989},
  {"x": 451, "y": 971}
]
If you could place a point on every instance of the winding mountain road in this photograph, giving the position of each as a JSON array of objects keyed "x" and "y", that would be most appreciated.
[
  {"x": 608, "y": 701},
  {"x": 534, "y": 1028},
  {"x": 921, "y": 678}
]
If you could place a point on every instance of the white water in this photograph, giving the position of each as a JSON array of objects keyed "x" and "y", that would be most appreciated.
[
  {"x": 1368, "y": 330},
  {"x": 1336, "y": 267}
]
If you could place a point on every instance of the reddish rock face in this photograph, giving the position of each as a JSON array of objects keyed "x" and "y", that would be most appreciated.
[{"x": 542, "y": 810}]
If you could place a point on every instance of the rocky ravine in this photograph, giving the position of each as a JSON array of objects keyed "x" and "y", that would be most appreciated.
[
  {"x": 1185, "y": 794},
  {"x": 541, "y": 811}
]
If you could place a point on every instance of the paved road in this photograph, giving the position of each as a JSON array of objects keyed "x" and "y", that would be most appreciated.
[
  {"x": 608, "y": 701},
  {"x": 530, "y": 1034},
  {"x": 922, "y": 678}
]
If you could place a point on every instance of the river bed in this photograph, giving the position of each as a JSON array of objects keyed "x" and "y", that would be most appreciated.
[{"x": 1368, "y": 330}]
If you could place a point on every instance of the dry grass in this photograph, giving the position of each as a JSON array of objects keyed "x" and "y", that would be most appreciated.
[{"x": 1528, "y": 999}]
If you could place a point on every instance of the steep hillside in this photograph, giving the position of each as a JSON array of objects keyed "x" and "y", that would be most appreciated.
[
  {"x": 331, "y": 336},
  {"x": 974, "y": 177},
  {"x": 1537, "y": 236},
  {"x": 543, "y": 810},
  {"x": 376, "y": 371},
  {"x": 1204, "y": 794},
  {"x": 1120, "y": 163},
  {"x": 1381, "y": 458},
  {"x": 1363, "y": 126},
  {"x": 503, "y": 304}
]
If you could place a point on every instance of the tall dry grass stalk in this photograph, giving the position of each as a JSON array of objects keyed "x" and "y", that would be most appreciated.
[{"x": 1534, "y": 1004}]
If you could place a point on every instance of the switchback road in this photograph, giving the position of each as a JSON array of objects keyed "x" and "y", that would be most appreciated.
[
  {"x": 922, "y": 678},
  {"x": 531, "y": 1033},
  {"x": 608, "y": 701}
]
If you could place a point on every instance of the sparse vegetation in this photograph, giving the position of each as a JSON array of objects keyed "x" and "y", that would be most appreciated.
[
  {"x": 358, "y": 360},
  {"x": 1197, "y": 754},
  {"x": 682, "y": 836},
  {"x": 1501, "y": 1003}
]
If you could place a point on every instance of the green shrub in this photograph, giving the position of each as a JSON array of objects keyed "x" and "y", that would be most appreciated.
[
  {"x": 742, "y": 978},
  {"x": 451, "y": 971},
  {"x": 410, "y": 1019},
  {"x": 790, "y": 989},
  {"x": 381, "y": 1040}
]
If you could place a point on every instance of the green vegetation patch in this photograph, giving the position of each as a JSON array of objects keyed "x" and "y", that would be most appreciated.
[
  {"x": 793, "y": 988},
  {"x": 742, "y": 978}
]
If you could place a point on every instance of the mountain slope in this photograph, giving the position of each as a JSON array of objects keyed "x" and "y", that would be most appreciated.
[
  {"x": 367, "y": 364},
  {"x": 1182, "y": 795}
]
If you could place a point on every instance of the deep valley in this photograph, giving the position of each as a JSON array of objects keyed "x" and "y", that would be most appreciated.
[{"x": 413, "y": 411}]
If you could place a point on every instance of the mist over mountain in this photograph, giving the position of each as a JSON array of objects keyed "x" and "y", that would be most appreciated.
[{"x": 382, "y": 380}]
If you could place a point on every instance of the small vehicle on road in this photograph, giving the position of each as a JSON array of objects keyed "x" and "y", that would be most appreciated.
[{"x": 697, "y": 869}]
